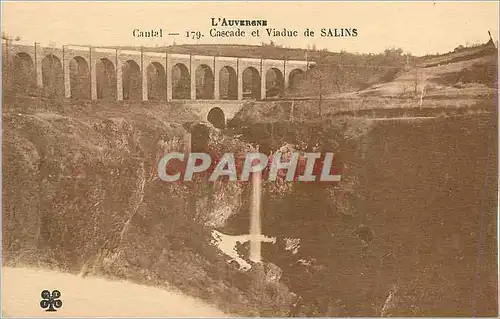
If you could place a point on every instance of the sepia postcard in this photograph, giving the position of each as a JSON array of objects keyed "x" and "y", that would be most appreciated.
[{"x": 249, "y": 159}]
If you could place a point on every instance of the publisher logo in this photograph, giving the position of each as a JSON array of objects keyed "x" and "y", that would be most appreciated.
[{"x": 51, "y": 301}]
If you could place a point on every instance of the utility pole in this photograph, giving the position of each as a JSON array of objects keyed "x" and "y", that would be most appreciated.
[
  {"x": 416, "y": 82},
  {"x": 320, "y": 85},
  {"x": 307, "y": 63},
  {"x": 320, "y": 94},
  {"x": 283, "y": 87}
]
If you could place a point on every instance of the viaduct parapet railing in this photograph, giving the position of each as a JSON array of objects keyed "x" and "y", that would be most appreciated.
[{"x": 173, "y": 76}]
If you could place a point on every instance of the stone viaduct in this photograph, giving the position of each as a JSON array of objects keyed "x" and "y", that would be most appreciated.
[{"x": 93, "y": 73}]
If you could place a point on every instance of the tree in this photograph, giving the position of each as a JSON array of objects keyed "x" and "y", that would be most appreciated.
[
  {"x": 425, "y": 80},
  {"x": 393, "y": 56}
]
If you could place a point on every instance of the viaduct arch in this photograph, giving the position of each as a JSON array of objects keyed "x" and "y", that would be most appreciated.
[
  {"x": 181, "y": 82},
  {"x": 105, "y": 79},
  {"x": 204, "y": 82},
  {"x": 156, "y": 81},
  {"x": 52, "y": 76},
  {"x": 132, "y": 81},
  {"x": 79, "y": 78},
  {"x": 228, "y": 83},
  {"x": 24, "y": 78},
  {"x": 251, "y": 83},
  {"x": 275, "y": 84},
  {"x": 295, "y": 77}
]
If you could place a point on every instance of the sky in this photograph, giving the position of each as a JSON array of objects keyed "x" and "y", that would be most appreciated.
[{"x": 416, "y": 27}]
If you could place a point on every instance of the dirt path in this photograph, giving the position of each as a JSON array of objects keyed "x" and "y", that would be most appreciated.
[{"x": 92, "y": 296}]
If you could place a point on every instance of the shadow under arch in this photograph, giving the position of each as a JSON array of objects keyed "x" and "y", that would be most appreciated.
[
  {"x": 275, "y": 84},
  {"x": 204, "y": 83},
  {"x": 79, "y": 78},
  {"x": 181, "y": 82},
  {"x": 24, "y": 72},
  {"x": 106, "y": 80},
  {"x": 132, "y": 81},
  {"x": 217, "y": 118},
  {"x": 295, "y": 78},
  {"x": 251, "y": 83},
  {"x": 228, "y": 83},
  {"x": 52, "y": 76},
  {"x": 156, "y": 82}
]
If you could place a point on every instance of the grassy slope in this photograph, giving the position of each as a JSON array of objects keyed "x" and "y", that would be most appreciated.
[{"x": 463, "y": 79}]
